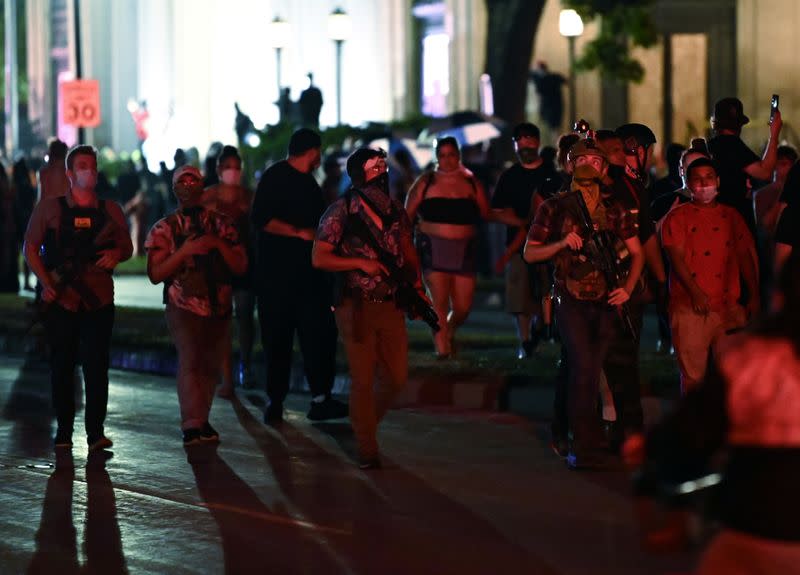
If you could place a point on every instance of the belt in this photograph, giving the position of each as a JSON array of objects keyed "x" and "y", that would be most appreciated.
[{"x": 359, "y": 295}]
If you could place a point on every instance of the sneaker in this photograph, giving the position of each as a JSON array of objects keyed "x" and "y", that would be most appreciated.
[
  {"x": 274, "y": 414},
  {"x": 98, "y": 443},
  {"x": 246, "y": 378},
  {"x": 584, "y": 462},
  {"x": 560, "y": 447},
  {"x": 373, "y": 462},
  {"x": 208, "y": 433},
  {"x": 328, "y": 409},
  {"x": 191, "y": 436},
  {"x": 62, "y": 439}
]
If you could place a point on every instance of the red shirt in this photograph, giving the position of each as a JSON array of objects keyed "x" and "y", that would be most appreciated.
[{"x": 711, "y": 237}]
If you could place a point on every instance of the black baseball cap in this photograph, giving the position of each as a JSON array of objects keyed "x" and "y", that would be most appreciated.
[{"x": 729, "y": 113}]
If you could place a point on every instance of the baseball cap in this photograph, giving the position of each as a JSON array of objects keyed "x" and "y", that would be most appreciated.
[
  {"x": 729, "y": 113},
  {"x": 526, "y": 129},
  {"x": 186, "y": 169}
]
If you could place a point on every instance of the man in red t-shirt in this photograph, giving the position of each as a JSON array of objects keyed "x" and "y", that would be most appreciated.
[{"x": 709, "y": 249}]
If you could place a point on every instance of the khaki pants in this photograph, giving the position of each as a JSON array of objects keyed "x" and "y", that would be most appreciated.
[
  {"x": 200, "y": 342},
  {"x": 375, "y": 340},
  {"x": 694, "y": 335}
]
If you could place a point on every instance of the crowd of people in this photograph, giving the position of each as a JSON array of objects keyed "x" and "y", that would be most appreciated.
[{"x": 590, "y": 242}]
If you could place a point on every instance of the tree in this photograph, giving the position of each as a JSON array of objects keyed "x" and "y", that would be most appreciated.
[
  {"x": 511, "y": 31},
  {"x": 623, "y": 23}
]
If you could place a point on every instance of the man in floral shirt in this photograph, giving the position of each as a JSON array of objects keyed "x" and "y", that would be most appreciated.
[
  {"x": 195, "y": 251},
  {"x": 372, "y": 326}
]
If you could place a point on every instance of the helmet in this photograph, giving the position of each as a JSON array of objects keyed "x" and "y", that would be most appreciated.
[
  {"x": 586, "y": 147},
  {"x": 635, "y": 135},
  {"x": 356, "y": 161}
]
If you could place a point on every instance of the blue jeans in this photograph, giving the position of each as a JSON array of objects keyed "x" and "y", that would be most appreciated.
[{"x": 586, "y": 328}]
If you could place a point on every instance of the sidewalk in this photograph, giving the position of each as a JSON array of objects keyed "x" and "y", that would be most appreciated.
[{"x": 467, "y": 493}]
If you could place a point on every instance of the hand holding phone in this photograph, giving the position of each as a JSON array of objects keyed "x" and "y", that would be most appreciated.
[{"x": 773, "y": 107}]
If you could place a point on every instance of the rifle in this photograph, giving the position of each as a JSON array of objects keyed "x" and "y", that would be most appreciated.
[
  {"x": 603, "y": 251},
  {"x": 406, "y": 295}
]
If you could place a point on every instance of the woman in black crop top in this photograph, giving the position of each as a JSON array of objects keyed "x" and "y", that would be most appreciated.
[{"x": 450, "y": 203}]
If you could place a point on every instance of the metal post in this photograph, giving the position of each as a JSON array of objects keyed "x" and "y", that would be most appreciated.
[
  {"x": 278, "y": 67},
  {"x": 338, "y": 82},
  {"x": 572, "y": 106},
  {"x": 11, "y": 76},
  {"x": 78, "y": 57}
]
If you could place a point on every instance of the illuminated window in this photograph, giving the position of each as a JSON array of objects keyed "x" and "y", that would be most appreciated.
[{"x": 435, "y": 74}]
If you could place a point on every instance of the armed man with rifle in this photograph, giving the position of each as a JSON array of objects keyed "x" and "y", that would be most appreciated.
[
  {"x": 72, "y": 244},
  {"x": 590, "y": 285},
  {"x": 366, "y": 237}
]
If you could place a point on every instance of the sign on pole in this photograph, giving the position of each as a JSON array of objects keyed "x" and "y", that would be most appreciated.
[{"x": 81, "y": 103}]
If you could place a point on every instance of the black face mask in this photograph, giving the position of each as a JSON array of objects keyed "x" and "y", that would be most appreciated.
[
  {"x": 381, "y": 182},
  {"x": 528, "y": 155}
]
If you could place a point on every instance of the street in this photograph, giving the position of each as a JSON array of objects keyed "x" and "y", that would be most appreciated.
[{"x": 460, "y": 492}]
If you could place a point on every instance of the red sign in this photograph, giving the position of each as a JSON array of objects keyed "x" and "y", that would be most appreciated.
[{"x": 81, "y": 103}]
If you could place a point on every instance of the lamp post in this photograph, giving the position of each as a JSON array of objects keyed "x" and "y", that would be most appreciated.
[
  {"x": 279, "y": 32},
  {"x": 570, "y": 25},
  {"x": 338, "y": 31}
]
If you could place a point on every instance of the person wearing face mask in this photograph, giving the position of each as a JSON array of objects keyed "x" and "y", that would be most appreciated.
[
  {"x": 73, "y": 243},
  {"x": 511, "y": 205},
  {"x": 450, "y": 204},
  {"x": 372, "y": 325},
  {"x": 194, "y": 252},
  {"x": 231, "y": 199},
  {"x": 292, "y": 295},
  {"x": 586, "y": 303},
  {"x": 709, "y": 248}
]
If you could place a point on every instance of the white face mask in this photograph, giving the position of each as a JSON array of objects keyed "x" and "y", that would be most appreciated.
[
  {"x": 85, "y": 179},
  {"x": 705, "y": 194},
  {"x": 231, "y": 176}
]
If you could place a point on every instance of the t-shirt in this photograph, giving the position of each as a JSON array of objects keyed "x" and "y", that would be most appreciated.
[
  {"x": 188, "y": 289},
  {"x": 333, "y": 230},
  {"x": 712, "y": 237},
  {"x": 47, "y": 215},
  {"x": 289, "y": 195},
  {"x": 514, "y": 190},
  {"x": 788, "y": 230},
  {"x": 731, "y": 156}
]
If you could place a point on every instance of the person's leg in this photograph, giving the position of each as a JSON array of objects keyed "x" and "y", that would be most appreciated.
[
  {"x": 691, "y": 337},
  {"x": 440, "y": 286},
  {"x": 392, "y": 350},
  {"x": 519, "y": 301},
  {"x": 244, "y": 301},
  {"x": 226, "y": 361},
  {"x": 622, "y": 371},
  {"x": 359, "y": 343},
  {"x": 463, "y": 294},
  {"x": 95, "y": 337},
  {"x": 61, "y": 327},
  {"x": 276, "y": 316}
]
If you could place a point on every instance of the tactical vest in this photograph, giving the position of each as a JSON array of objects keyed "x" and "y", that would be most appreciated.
[{"x": 74, "y": 243}]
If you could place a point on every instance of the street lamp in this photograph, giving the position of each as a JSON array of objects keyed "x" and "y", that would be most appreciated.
[
  {"x": 570, "y": 25},
  {"x": 279, "y": 33},
  {"x": 339, "y": 31}
]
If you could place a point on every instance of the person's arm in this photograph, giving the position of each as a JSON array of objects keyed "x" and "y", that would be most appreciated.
[
  {"x": 324, "y": 257},
  {"x": 480, "y": 199},
  {"x": 623, "y": 293},
  {"x": 500, "y": 209},
  {"x": 762, "y": 170},
  {"x": 747, "y": 259},
  {"x": 415, "y": 193},
  {"x": 652, "y": 256},
  {"x": 678, "y": 266},
  {"x": 505, "y": 216},
  {"x": 162, "y": 265},
  {"x": 110, "y": 258},
  {"x": 34, "y": 236},
  {"x": 539, "y": 252}
]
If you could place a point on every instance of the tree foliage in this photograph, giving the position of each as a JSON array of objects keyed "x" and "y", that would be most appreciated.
[{"x": 623, "y": 24}]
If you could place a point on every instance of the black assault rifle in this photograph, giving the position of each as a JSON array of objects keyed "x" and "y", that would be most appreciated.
[
  {"x": 406, "y": 295},
  {"x": 606, "y": 252}
]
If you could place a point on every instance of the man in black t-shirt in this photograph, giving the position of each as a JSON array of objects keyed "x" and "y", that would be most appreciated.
[
  {"x": 511, "y": 205},
  {"x": 292, "y": 295},
  {"x": 736, "y": 163}
]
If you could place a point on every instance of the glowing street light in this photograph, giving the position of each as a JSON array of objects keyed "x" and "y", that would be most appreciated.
[
  {"x": 280, "y": 33},
  {"x": 570, "y": 25},
  {"x": 339, "y": 27}
]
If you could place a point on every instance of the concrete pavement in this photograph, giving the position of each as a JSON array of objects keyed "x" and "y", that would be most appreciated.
[{"x": 461, "y": 492}]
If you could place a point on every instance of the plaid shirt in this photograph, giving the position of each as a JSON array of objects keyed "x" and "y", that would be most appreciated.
[{"x": 560, "y": 215}]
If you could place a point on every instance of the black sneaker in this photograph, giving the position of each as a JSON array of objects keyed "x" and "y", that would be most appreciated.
[
  {"x": 62, "y": 439},
  {"x": 99, "y": 443},
  {"x": 328, "y": 409},
  {"x": 373, "y": 462},
  {"x": 191, "y": 436},
  {"x": 208, "y": 433},
  {"x": 274, "y": 414}
]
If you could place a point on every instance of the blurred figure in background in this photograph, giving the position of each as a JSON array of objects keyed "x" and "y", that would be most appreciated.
[
  {"x": 24, "y": 200},
  {"x": 53, "y": 176},
  {"x": 233, "y": 201}
]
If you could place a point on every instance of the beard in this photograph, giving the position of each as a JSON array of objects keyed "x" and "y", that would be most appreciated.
[{"x": 528, "y": 155}]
